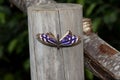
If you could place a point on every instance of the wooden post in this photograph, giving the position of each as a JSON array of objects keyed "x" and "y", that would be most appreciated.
[{"x": 50, "y": 63}]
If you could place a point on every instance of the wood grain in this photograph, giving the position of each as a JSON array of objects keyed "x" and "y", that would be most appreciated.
[
  {"x": 101, "y": 58},
  {"x": 49, "y": 63}
]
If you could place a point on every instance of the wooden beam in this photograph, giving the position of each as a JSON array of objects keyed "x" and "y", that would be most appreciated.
[
  {"x": 50, "y": 63},
  {"x": 101, "y": 58},
  {"x": 23, "y": 4}
]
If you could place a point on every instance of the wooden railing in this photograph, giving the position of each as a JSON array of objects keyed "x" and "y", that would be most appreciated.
[{"x": 101, "y": 58}]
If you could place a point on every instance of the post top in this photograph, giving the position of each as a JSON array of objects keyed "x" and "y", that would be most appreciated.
[{"x": 57, "y": 6}]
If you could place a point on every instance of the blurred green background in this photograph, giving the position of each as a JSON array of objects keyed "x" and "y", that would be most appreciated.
[{"x": 14, "y": 47}]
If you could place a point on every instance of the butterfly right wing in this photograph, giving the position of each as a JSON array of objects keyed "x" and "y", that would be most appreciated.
[
  {"x": 47, "y": 39},
  {"x": 69, "y": 40}
]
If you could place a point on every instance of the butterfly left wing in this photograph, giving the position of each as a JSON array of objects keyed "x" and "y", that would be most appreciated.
[
  {"x": 47, "y": 39},
  {"x": 69, "y": 40}
]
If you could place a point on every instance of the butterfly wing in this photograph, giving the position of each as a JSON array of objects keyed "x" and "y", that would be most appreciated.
[
  {"x": 69, "y": 40},
  {"x": 47, "y": 39}
]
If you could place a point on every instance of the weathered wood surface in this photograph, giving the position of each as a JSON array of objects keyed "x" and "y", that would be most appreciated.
[
  {"x": 49, "y": 63},
  {"x": 101, "y": 58}
]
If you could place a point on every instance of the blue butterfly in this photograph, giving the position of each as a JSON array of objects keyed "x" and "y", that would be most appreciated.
[{"x": 66, "y": 41}]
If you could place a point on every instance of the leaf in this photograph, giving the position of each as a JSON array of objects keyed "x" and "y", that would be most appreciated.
[
  {"x": 12, "y": 45},
  {"x": 26, "y": 65},
  {"x": 1, "y": 1},
  {"x": 96, "y": 24},
  {"x": 9, "y": 76},
  {"x": 110, "y": 18},
  {"x": 2, "y": 18},
  {"x": 90, "y": 9},
  {"x": 89, "y": 74},
  {"x": 81, "y": 2}
]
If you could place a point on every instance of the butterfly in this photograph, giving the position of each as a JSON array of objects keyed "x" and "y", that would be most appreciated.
[{"x": 66, "y": 41}]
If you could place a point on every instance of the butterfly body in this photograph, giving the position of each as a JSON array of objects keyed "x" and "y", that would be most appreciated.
[{"x": 66, "y": 41}]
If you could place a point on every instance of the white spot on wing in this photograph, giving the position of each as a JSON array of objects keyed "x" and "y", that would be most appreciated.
[
  {"x": 44, "y": 35},
  {"x": 44, "y": 39},
  {"x": 77, "y": 39},
  {"x": 73, "y": 37},
  {"x": 73, "y": 41},
  {"x": 69, "y": 38},
  {"x": 40, "y": 36}
]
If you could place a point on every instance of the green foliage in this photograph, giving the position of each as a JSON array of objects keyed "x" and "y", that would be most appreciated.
[
  {"x": 14, "y": 53},
  {"x": 89, "y": 75},
  {"x": 26, "y": 65},
  {"x": 82, "y": 2},
  {"x": 12, "y": 46},
  {"x": 1, "y": 1},
  {"x": 9, "y": 76},
  {"x": 1, "y": 51},
  {"x": 2, "y": 18}
]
